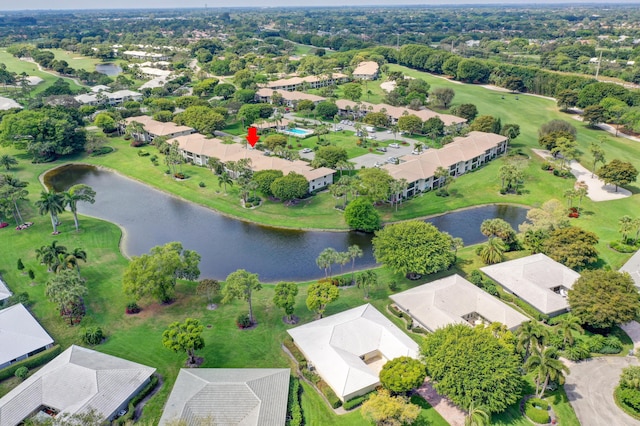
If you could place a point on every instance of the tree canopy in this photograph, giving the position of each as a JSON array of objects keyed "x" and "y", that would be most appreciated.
[
  {"x": 241, "y": 285},
  {"x": 402, "y": 374},
  {"x": 618, "y": 173},
  {"x": 413, "y": 247},
  {"x": 602, "y": 299},
  {"x": 320, "y": 294},
  {"x": 361, "y": 215},
  {"x": 572, "y": 246},
  {"x": 155, "y": 274},
  {"x": 471, "y": 365},
  {"x": 184, "y": 337}
]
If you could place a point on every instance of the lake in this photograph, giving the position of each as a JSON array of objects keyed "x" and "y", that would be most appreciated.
[
  {"x": 151, "y": 217},
  {"x": 111, "y": 70}
]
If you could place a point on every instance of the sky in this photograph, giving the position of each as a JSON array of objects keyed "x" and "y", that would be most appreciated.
[{"x": 154, "y": 4}]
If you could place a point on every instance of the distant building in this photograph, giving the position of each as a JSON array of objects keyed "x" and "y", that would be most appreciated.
[
  {"x": 312, "y": 81},
  {"x": 101, "y": 96},
  {"x": 289, "y": 99},
  {"x": 538, "y": 280},
  {"x": 349, "y": 349},
  {"x": 7, "y": 103},
  {"x": 361, "y": 109},
  {"x": 145, "y": 56},
  {"x": 366, "y": 71},
  {"x": 21, "y": 336},
  {"x": 75, "y": 382},
  {"x": 228, "y": 396},
  {"x": 154, "y": 128}
]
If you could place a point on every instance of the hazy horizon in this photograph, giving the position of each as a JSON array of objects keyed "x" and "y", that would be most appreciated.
[{"x": 32, "y": 5}]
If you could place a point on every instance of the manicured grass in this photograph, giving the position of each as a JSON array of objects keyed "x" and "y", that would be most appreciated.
[
  {"x": 76, "y": 60},
  {"x": 16, "y": 65}
]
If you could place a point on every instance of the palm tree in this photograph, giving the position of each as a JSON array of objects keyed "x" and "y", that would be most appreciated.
[
  {"x": 477, "y": 415},
  {"x": 225, "y": 179},
  {"x": 354, "y": 251},
  {"x": 78, "y": 193},
  {"x": 215, "y": 165},
  {"x": 531, "y": 335},
  {"x": 52, "y": 203},
  {"x": 547, "y": 366},
  {"x": 7, "y": 161},
  {"x": 582, "y": 189},
  {"x": 14, "y": 192},
  {"x": 493, "y": 251},
  {"x": 49, "y": 255},
  {"x": 325, "y": 259},
  {"x": 567, "y": 326},
  {"x": 626, "y": 226}
]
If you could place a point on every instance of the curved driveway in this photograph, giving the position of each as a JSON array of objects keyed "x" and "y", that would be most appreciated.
[{"x": 590, "y": 387}]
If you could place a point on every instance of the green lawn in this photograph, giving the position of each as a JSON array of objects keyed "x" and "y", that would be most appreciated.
[
  {"x": 76, "y": 60},
  {"x": 16, "y": 65}
]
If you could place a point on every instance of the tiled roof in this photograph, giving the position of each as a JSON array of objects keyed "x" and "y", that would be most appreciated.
[
  {"x": 158, "y": 128},
  {"x": 366, "y": 68}
]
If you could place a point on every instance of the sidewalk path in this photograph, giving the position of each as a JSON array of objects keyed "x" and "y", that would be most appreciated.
[
  {"x": 450, "y": 412},
  {"x": 598, "y": 190},
  {"x": 632, "y": 328}
]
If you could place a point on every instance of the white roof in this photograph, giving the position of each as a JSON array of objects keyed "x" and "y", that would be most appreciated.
[
  {"x": 632, "y": 267},
  {"x": 229, "y": 396},
  {"x": 123, "y": 94},
  {"x": 86, "y": 98},
  {"x": 100, "y": 88},
  {"x": 335, "y": 344},
  {"x": 447, "y": 300},
  {"x": 20, "y": 333},
  {"x": 4, "y": 291},
  {"x": 6, "y": 103},
  {"x": 76, "y": 381},
  {"x": 532, "y": 278}
]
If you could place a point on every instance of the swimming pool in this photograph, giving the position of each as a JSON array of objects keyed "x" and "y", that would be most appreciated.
[{"x": 296, "y": 131}]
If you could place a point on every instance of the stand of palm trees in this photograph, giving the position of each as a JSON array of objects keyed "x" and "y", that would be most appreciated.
[{"x": 54, "y": 203}]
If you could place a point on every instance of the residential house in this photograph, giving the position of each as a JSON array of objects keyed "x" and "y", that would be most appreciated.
[
  {"x": 454, "y": 300},
  {"x": 145, "y": 56},
  {"x": 76, "y": 381},
  {"x": 198, "y": 149},
  {"x": 154, "y": 128},
  {"x": 632, "y": 267},
  {"x": 312, "y": 82},
  {"x": 288, "y": 98},
  {"x": 5, "y": 293},
  {"x": 358, "y": 110},
  {"x": 349, "y": 349},
  {"x": 462, "y": 155},
  {"x": 101, "y": 96},
  {"x": 228, "y": 396},
  {"x": 366, "y": 71},
  {"x": 538, "y": 280},
  {"x": 21, "y": 336}
]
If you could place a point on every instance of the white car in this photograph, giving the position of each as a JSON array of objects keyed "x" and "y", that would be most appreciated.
[
  {"x": 394, "y": 145},
  {"x": 307, "y": 150}
]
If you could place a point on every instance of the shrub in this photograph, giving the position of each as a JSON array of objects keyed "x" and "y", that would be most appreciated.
[
  {"x": 22, "y": 372},
  {"x": 333, "y": 399},
  {"x": 101, "y": 151},
  {"x": 546, "y": 166},
  {"x": 621, "y": 247},
  {"x": 294, "y": 408},
  {"x": 18, "y": 298},
  {"x": 288, "y": 343},
  {"x": 243, "y": 321},
  {"x": 538, "y": 403},
  {"x": 143, "y": 153},
  {"x": 132, "y": 308},
  {"x": 536, "y": 415},
  {"x": 136, "y": 400},
  {"x": 577, "y": 352},
  {"x": 179, "y": 175},
  {"x": 92, "y": 335},
  {"x": 630, "y": 397},
  {"x": 31, "y": 274},
  {"x": 201, "y": 184},
  {"x": 31, "y": 362},
  {"x": 393, "y": 286},
  {"x": 310, "y": 376},
  {"x": 596, "y": 343},
  {"x": 355, "y": 402}
]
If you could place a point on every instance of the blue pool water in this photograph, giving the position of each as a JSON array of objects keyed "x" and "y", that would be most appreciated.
[{"x": 301, "y": 132}]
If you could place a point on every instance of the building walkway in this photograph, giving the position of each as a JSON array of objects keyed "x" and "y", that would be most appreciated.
[{"x": 447, "y": 409}]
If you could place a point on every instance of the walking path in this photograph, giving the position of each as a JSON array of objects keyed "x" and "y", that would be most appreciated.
[
  {"x": 449, "y": 411},
  {"x": 632, "y": 328},
  {"x": 598, "y": 190}
]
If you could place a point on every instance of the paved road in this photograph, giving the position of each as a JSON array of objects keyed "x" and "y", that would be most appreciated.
[{"x": 590, "y": 388}]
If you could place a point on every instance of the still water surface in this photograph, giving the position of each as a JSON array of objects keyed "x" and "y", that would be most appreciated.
[
  {"x": 111, "y": 70},
  {"x": 150, "y": 218}
]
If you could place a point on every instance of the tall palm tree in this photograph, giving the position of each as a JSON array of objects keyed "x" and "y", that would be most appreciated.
[
  {"x": 354, "y": 251},
  {"x": 49, "y": 255},
  {"x": 7, "y": 161},
  {"x": 52, "y": 203},
  {"x": 224, "y": 179},
  {"x": 14, "y": 191},
  {"x": 325, "y": 259},
  {"x": 625, "y": 224},
  {"x": 547, "y": 367},
  {"x": 215, "y": 165},
  {"x": 78, "y": 193},
  {"x": 567, "y": 326},
  {"x": 531, "y": 335},
  {"x": 477, "y": 415},
  {"x": 70, "y": 260}
]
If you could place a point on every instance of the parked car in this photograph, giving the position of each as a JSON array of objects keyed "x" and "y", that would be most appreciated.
[
  {"x": 378, "y": 164},
  {"x": 394, "y": 145},
  {"x": 392, "y": 160},
  {"x": 307, "y": 150},
  {"x": 416, "y": 152},
  {"x": 381, "y": 149}
]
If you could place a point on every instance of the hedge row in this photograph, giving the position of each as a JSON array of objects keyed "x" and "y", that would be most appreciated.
[
  {"x": 535, "y": 414},
  {"x": 302, "y": 361},
  {"x": 31, "y": 362},
  {"x": 530, "y": 310},
  {"x": 294, "y": 409},
  {"x": 333, "y": 399},
  {"x": 136, "y": 400},
  {"x": 629, "y": 400},
  {"x": 400, "y": 314},
  {"x": 357, "y": 401}
]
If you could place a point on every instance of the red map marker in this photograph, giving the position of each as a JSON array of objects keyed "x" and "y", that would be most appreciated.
[{"x": 253, "y": 137}]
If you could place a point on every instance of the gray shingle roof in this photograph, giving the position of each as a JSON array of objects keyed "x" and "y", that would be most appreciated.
[
  {"x": 532, "y": 278},
  {"x": 229, "y": 396},
  {"x": 20, "y": 333},
  {"x": 76, "y": 381},
  {"x": 447, "y": 300}
]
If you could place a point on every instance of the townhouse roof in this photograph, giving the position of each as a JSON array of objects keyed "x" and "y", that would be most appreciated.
[
  {"x": 20, "y": 333},
  {"x": 158, "y": 128},
  {"x": 366, "y": 68}
]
